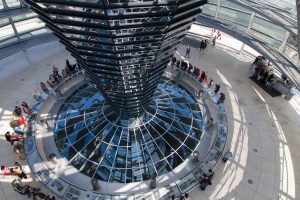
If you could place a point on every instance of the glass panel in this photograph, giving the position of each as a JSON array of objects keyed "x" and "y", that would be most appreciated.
[
  {"x": 268, "y": 28},
  {"x": 234, "y": 16},
  {"x": 209, "y": 9},
  {"x": 13, "y": 3},
  {"x": 23, "y": 16},
  {"x": 27, "y": 25},
  {"x": 6, "y": 32}
]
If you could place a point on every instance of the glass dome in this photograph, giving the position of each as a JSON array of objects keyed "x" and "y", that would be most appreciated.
[{"x": 92, "y": 138}]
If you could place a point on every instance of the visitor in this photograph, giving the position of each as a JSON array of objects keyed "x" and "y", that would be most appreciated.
[
  {"x": 217, "y": 88},
  {"x": 210, "y": 176},
  {"x": 202, "y": 44},
  {"x": 18, "y": 150},
  {"x": 227, "y": 156},
  {"x": 24, "y": 189},
  {"x": 205, "y": 43},
  {"x": 221, "y": 99},
  {"x": 44, "y": 88},
  {"x": 26, "y": 108},
  {"x": 210, "y": 122},
  {"x": 12, "y": 138},
  {"x": 202, "y": 76},
  {"x": 270, "y": 81},
  {"x": 50, "y": 83},
  {"x": 258, "y": 58},
  {"x": 56, "y": 78},
  {"x": 17, "y": 171},
  {"x": 219, "y": 35},
  {"x": 214, "y": 41},
  {"x": 187, "y": 52},
  {"x": 55, "y": 71},
  {"x": 50, "y": 197},
  {"x": 197, "y": 72},
  {"x": 64, "y": 73},
  {"x": 191, "y": 69},
  {"x": 17, "y": 111},
  {"x": 41, "y": 195},
  {"x": 186, "y": 196},
  {"x": 200, "y": 93},
  {"x": 67, "y": 70},
  {"x": 173, "y": 60},
  {"x": 205, "y": 79},
  {"x": 211, "y": 81},
  {"x": 77, "y": 67},
  {"x": 204, "y": 182},
  {"x": 264, "y": 77},
  {"x": 36, "y": 95},
  {"x": 68, "y": 65}
]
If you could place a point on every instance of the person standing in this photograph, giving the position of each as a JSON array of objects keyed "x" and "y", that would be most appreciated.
[
  {"x": 219, "y": 35},
  {"x": 187, "y": 52},
  {"x": 210, "y": 176},
  {"x": 64, "y": 74},
  {"x": 217, "y": 88},
  {"x": 205, "y": 44},
  {"x": 214, "y": 41},
  {"x": 211, "y": 81},
  {"x": 227, "y": 156},
  {"x": 202, "y": 76},
  {"x": 186, "y": 196},
  {"x": 202, "y": 44},
  {"x": 44, "y": 88},
  {"x": 209, "y": 123},
  {"x": 55, "y": 71},
  {"x": 18, "y": 111},
  {"x": 26, "y": 108},
  {"x": 222, "y": 98},
  {"x": 12, "y": 138}
]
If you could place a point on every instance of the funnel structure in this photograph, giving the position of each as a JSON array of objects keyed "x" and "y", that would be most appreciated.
[{"x": 124, "y": 45}]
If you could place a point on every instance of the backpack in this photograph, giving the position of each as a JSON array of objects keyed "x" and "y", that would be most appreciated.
[{"x": 6, "y": 171}]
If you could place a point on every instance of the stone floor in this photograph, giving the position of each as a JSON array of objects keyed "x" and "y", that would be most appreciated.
[{"x": 264, "y": 139}]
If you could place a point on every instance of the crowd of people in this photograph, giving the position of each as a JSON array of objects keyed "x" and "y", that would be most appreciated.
[
  {"x": 263, "y": 71},
  {"x": 56, "y": 77},
  {"x": 201, "y": 76},
  {"x": 204, "y": 43},
  {"x": 19, "y": 124},
  {"x": 206, "y": 179}
]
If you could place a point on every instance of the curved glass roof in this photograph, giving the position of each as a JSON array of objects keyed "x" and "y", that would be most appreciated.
[{"x": 92, "y": 138}]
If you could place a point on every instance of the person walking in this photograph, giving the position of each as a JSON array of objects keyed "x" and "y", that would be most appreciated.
[
  {"x": 217, "y": 88},
  {"x": 187, "y": 52}
]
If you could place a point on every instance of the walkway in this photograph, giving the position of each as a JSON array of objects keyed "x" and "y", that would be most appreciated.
[{"x": 265, "y": 136}]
